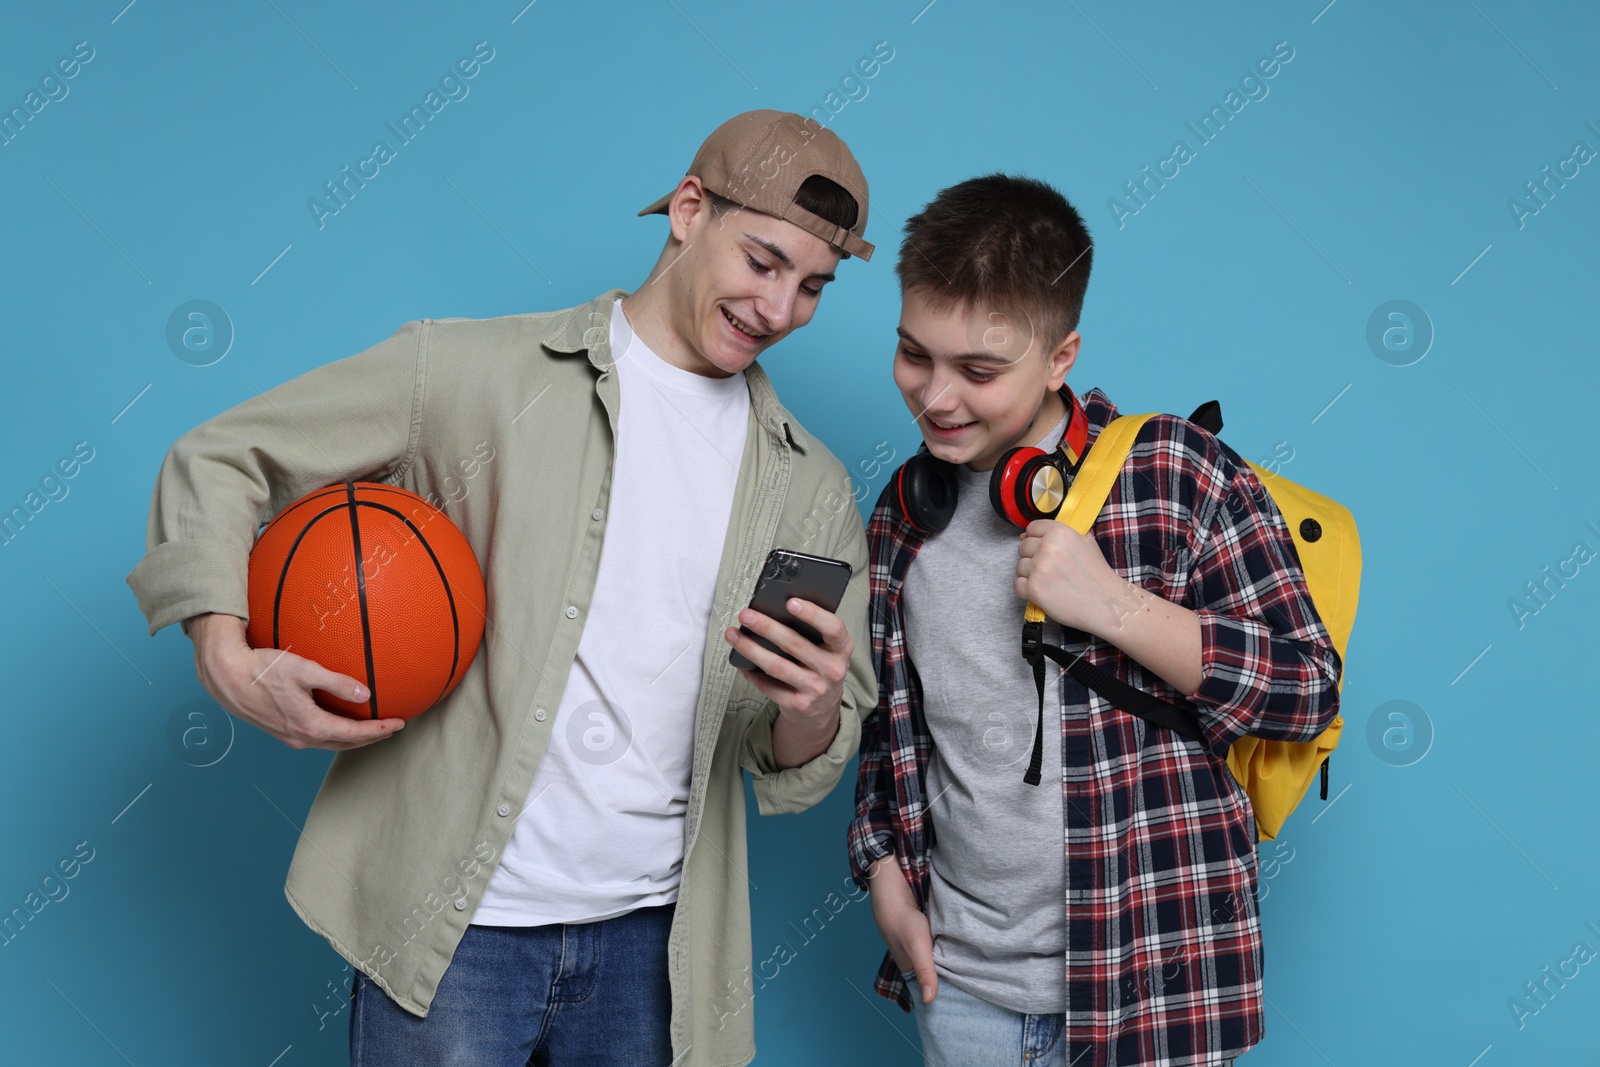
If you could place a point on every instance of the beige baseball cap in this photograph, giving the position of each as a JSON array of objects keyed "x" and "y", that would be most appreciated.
[{"x": 760, "y": 158}]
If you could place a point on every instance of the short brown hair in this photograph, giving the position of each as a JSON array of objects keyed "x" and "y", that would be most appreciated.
[{"x": 1012, "y": 242}]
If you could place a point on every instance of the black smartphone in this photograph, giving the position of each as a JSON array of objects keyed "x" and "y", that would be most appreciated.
[{"x": 793, "y": 574}]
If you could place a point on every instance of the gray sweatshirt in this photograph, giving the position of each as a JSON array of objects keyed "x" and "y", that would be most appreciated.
[{"x": 996, "y": 904}]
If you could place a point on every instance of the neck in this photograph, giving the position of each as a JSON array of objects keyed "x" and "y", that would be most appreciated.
[
  {"x": 649, "y": 310},
  {"x": 1050, "y": 412}
]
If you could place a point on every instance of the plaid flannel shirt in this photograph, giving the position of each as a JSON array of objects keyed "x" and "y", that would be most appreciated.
[{"x": 1164, "y": 960}]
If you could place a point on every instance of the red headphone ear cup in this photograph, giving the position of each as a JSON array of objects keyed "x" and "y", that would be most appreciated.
[
  {"x": 1041, "y": 488},
  {"x": 925, "y": 489},
  {"x": 1006, "y": 480}
]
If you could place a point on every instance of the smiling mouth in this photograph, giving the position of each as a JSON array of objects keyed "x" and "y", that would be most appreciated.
[
  {"x": 741, "y": 327},
  {"x": 951, "y": 426}
]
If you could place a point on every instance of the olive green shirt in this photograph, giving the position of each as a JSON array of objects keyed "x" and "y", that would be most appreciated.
[{"x": 404, "y": 834}]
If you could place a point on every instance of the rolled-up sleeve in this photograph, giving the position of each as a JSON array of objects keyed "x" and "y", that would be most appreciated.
[
  {"x": 797, "y": 788},
  {"x": 356, "y": 418},
  {"x": 1268, "y": 665},
  {"x": 870, "y": 835}
]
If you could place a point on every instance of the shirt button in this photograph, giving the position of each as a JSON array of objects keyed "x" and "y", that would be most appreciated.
[
  {"x": 461, "y": 904},
  {"x": 504, "y": 810},
  {"x": 597, "y": 514},
  {"x": 539, "y": 714},
  {"x": 572, "y": 612}
]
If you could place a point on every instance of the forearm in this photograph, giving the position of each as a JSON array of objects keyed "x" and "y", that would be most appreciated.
[
  {"x": 799, "y": 741},
  {"x": 222, "y": 479},
  {"x": 198, "y": 626},
  {"x": 1161, "y": 636}
]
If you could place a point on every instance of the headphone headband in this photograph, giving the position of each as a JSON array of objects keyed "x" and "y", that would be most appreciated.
[{"x": 1075, "y": 439}]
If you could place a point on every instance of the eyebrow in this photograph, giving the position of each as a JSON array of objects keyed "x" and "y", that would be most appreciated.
[
  {"x": 782, "y": 256},
  {"x": 981, "y": 357}
]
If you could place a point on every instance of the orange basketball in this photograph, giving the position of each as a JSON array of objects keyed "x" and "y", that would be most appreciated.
[{"x": 372, "y": 581}]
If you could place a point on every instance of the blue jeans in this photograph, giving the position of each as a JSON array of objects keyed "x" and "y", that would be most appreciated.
[
  {"x": 961, "y": 1030},
  {"x": 532, "y": 996}
]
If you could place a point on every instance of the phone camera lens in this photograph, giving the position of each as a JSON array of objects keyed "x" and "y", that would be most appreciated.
[{"x": 771, "y": 573}]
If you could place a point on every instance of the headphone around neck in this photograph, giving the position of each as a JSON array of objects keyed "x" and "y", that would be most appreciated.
[{"x": 1026, "y": 484}]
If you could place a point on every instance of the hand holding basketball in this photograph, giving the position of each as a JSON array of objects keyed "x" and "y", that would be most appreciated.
[
  {"x": 271, "y": 689},
  {"x": 367, "y": 606},
  {"x": 376, "y": 584}
]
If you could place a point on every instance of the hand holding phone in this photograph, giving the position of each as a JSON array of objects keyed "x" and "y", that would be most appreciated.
[{"x": 793, "y": 574}]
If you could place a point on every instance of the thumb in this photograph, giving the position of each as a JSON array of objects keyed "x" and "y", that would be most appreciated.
[
  {"x": 315, "y": 676},
  {"x": 927, "y": 976}
]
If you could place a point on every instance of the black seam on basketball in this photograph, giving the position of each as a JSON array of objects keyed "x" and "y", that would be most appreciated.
[
  {"x": 341, "y": 491},
  {"x": 283, "y": 576},
  {"x": 336, "y": 490},
  {"x": 455, "y": 623},
  {"x": 361, "y": 595}
]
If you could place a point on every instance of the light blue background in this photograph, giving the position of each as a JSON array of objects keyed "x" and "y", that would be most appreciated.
[{"x": 1379, "y": 167}]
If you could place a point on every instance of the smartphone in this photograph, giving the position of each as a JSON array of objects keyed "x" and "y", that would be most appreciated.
[{"x": 793, "y": 574}]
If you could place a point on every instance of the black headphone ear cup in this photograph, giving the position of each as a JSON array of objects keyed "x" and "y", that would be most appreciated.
[{"x": 926, "y": 490}]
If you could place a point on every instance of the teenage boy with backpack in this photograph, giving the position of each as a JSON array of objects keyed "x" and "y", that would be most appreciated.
[
  {"x": 548, "y": 867},
  {"x": 1106, "y": 915}
]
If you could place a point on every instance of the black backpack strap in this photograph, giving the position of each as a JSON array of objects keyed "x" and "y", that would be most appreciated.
[
  {"x": 1033, "y": 652},
  {"x": 1179, "y": 720}
]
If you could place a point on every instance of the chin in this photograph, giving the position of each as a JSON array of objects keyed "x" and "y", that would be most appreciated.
[
  {"x": 951, "y": 453},
  {"x": 734, "y": 362},
  {"x": 724, "y": 354}
]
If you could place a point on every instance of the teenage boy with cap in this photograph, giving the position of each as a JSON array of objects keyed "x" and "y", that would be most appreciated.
[
  {"x": 1105, "y": 916},
  {"x": 548, "y": 866}
]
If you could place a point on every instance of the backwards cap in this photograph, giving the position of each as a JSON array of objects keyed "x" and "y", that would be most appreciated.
[{"x": 759, "y": 160}]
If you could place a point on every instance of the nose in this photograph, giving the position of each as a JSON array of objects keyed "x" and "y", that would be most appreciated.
[
  {"x": 776, "y": 306},
  {"x": 938, "y": 397}
]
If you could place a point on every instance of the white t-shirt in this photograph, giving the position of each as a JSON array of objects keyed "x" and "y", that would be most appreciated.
[{"x": 601, "y": 832}]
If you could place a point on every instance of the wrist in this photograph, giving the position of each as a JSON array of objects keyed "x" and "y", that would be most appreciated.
[
  {"x": 820, "y": 726},
  {"x": 214, "y": 630},
  {"x": 889, "y": 887},
  {"x": 799, "y": 739},
  {"x": 1117, "y": 603}
]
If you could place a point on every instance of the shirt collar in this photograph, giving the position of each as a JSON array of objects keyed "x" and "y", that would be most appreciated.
[{"x": 586, "y": 328}]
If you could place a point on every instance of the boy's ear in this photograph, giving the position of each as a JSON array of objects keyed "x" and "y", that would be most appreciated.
[{"x": 1062, "y": 359}]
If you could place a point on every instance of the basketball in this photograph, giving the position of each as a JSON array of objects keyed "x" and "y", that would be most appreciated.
[{"x": 371, "y": 581}]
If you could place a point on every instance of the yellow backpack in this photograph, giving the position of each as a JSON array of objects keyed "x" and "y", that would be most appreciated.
[{"x": 1274, "y": 774}]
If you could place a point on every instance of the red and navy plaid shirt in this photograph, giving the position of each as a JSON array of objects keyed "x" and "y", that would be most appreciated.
[{"x": 1163, "y": 961}]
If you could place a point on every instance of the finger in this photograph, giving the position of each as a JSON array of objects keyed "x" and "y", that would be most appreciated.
[
  {"x": 820, "y": 619},
  {"x": 770, "y": 687},
  {"x": 782, "y": 635},
  {"x": 310, "y": 674},
  {"x": 328, "y": 729},
  {"x": 776, "y": 667},
  {"x": 927, "y": 976},
  {"x": 325, "y": 728}
]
